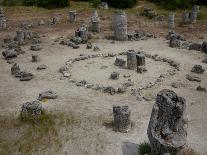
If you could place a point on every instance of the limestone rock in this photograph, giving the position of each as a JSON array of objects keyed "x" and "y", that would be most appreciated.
[
  {"x": 120, "y": 62},
  {"x": 204, "y": 47},
  {"x": 31, "y": 110},
  {"x": 41, "y": 67},
  {"x": 104, "y": 5},
  {"x": 89, "y": 45},
  {"x": 35, "y": 47},
  {"x": 195, "y": 46},
  {"x": 121, "y": 118},
  {"x": 9, "y": 53},
  {"x": 167, "y": 127},
  {"x": 114, "y": 76},
  {"x": 192, "y": 77},
  {"x": 15, "y": 69},
  {"x": 200, "y": 88},
  {"x": 110, "y": 90},
  {"x": 35, "y": 58},
  {"x": 47, "y": 95},
  {"x": 198, "y": 69},
  {"x": 141, "y": 69},
  {"x": 175, "y": 43}
]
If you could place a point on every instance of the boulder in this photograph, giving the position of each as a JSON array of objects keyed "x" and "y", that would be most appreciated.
[
  {"x": 195, "y": 46},
  {"x": 192, "y": 77},
  {"x": 9, "y": 53},
  {"x": 120, "y": 62},
  {"x": 47, "y": 95},
  {"x": 31, "y": 110},
  {"x": 167, "y": 127},
  {"x": 198, "y": 69},
  {"x": 114, "y": 76},
  {"x": 204, "y": 47},
  {"x": 175, "y": 43}
]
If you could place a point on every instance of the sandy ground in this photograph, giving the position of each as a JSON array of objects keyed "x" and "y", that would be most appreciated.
[{"x": 94, "y": 108}]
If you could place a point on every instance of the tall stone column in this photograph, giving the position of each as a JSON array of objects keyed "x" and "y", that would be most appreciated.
[
  {"x": 194, "y": 14},
  {"x": 72, "y": 16},
  {"x": 95, "y": 22},
  {"x": 2, "y": 19},
  {"x": 186, "y": 18},
  {"x": 131, "y": 59},
  {"x": 171, "y": 21},
  {"x": 119, "y": 24}
]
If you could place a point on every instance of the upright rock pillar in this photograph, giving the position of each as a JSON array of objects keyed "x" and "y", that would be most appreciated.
[
  {"x": 2, "y": 19},
  {"x": 186, "y": 18},
  {"x": 167, "y": 127},
  {"x": 121, "y": 118},
  {"x": 72, "y": 16},
  {"x": 194, "y": 14},
  {"x": 171, "y": 21},
  {"x": 120, "y": 26},
  {"x": 131, "y": 59},
  {"x": 95, "y": 22}
]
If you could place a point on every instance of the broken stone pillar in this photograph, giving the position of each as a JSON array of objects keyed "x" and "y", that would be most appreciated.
[
  {"x": 186, "y": 18},
  {"x": 82, "y": 32},
  {"x": 119, "y": 25},
  {"x": 2, "y": 19},
  {"x": 131, "y": 59},
  {"x": 121, "y": 118},
  {"x": 167, "y": 127},
  {"x": 95, "y": 25},
  {"x": 72, "y": 16},
  {"x": 194, "y": 14},
  {"x": 140, "y": 59},
  {"x": 171, "y": 22}
]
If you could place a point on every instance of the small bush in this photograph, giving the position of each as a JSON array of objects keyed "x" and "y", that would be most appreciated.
[
  {"x": 95, "y": 3},
  {"x": 144, "y": 148},
  {"x": 121, "y": 4},
  {"x": 47, "y": 3}
]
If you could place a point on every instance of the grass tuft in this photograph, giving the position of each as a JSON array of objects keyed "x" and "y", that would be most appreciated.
[{"x": 144, "y": 148}]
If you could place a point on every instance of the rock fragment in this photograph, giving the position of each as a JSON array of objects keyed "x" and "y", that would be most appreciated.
[{"x": 47, "y": 95}]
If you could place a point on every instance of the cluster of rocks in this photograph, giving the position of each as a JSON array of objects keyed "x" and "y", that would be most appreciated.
[
  {"x": 2, "y": 19},
  {"x": 167, "y": 129},
  {"x": 22, "y": 75},
  {"x": 34, "y": 109}
]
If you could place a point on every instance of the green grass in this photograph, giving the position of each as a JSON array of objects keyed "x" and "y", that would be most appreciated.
[{"x": 144, "y": 148}]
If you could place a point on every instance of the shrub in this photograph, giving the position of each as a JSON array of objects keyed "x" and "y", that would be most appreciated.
[
  {"x": 144, "y": 148},
  {"x": 121, "y": 4},
  {"x": 47, "y": 3},
  {"x": 95, "y": 3}
]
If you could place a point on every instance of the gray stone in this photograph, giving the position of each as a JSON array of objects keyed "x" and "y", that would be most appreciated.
[
  {"x": 204, "y": 60},
  {"x": 167, "y": 126},
  {"x": 203, "y": 89},
  {"x": 47, "y": 95},
  {"x": 72, "y": 16},
  {"x": 81, "y": 83},
  {"x": 140, "y": 59},
  {"x": 15, "y": 69},
  {"x": 121, "y": 118},
  {"x": 41, "y": 22},
  {"x": 171, "y": 23},
  {"x": 186, "y": 18},
  {"x": 42, "y": 67},
  {"x": 120, "y": 62},
  {"x": 194, "y": 14},
  {"x": 31, "y": 110},
  {"x": 110, "y": 90},
  {"x": 119, "y": 24},
  {"x": 95, "y": 22},
  {"x": 24, "y": 76},
  {"x": 129, "y": 83},
  {"x": 96, "y": 49},
  {"x": 195, "y": 46},
  {"x": 204, "y": 47},
  {"x": 2, "y": 19},
  {"x": 63, "y": 69},
  {"x": 104, "y": 5},
  {"x": 9, "y": 53},
  {"x": 141, "y": 69},
  {"x": 131, "y": 60},
  {"x": 35, "y": 58},
  {"x": 121, "y": 90},
  {"x": 175, "y": 43},
  {"x": 192, "y": 77},
  {"x": 198, "y": 69},
  {"x": 89, "y": 45},
  {"x": 114, "y": 76},
  {"x": 35, "y": 47},
  {"x": 82, "y": 32},
  {"x": 73, "y": 45}
]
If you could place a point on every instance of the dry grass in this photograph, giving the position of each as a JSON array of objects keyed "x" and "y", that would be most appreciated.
[{"x": 32, "y": 135}]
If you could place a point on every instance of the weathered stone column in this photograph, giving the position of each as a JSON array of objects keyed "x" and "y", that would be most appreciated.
[
  {"x": 186, "y": 18},
  {"x": 20, "y": 36},
  {"x": 131, "y": 59},
  {"x": 2, "y": 19},
  {"x": 194, "y": 14},
  {"x": 72, "y": 16},
  {"x": 140, "y": 59},
  {"x": 167, "y": 129},
  {"x": 171, "y": 22},
  {"x": 95, "y": 22},
  {"x": 120, "y": 26},
  {"x": 82, "y": 32},
  {"x": 121, "y": 118}
]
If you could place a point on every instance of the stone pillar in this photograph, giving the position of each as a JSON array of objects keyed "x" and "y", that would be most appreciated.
[
  {"x": 20, "y": 36},
  {"x": 171, "y": 22},
  {"x": 2, "y": 19},
  {"x": 167, "y": 129},
  {"x": 120, "y": 26},
  {"x": 140, "y": 59},
  {"x": 72, "y": 16},
  {"x": 95, "y": 26},
  {"x": 121, "y": 118},
  {"x": 194, "y": 14},
  {"x": 186, "y": 18},
  {"x": 131, "y": 59},
  {"x": 82, "y": 32},
  {"x": 35, "y": 58}
]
